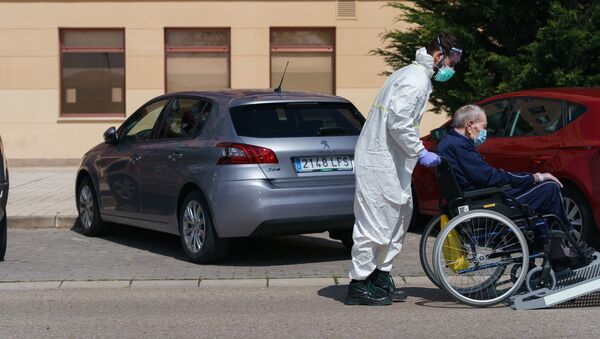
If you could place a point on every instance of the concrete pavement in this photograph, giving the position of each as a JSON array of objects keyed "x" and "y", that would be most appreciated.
[
  {"x": 275, "y": 312},
  {"x": 41, "y": 197},
  {"x": 128, "y": 253}
]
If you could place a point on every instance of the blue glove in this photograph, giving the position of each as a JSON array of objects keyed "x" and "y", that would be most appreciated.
[{"x": 429, "y": 159}]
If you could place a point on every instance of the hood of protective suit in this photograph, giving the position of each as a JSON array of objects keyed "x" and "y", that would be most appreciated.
[{"x": 422, "y": 58}]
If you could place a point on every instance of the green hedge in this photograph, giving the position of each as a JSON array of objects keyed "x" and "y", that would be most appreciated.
[{"x": 508, "y": 45}]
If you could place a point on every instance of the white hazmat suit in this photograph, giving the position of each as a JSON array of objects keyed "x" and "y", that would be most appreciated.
[{"x": 385, "y": 156}]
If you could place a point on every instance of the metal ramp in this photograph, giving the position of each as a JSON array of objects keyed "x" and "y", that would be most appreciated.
[{"x": 570, "y": 285}]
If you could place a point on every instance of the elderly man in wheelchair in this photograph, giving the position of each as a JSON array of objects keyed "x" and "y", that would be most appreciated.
[{"x": 507, "y": 231}]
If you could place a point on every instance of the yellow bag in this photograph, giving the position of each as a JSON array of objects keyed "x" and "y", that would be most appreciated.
[{"x": 454, "y": 253}]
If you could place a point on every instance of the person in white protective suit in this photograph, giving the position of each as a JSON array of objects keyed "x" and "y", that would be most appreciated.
[{"x": 386, "y": 153}]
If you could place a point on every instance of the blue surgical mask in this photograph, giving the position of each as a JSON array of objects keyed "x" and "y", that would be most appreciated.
[
  {"x": 444, "y": 74},
  {"x": 481, "y": 138}
]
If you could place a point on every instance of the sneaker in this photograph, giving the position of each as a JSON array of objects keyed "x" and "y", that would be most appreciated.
[
  {"x": 572, "y": 257},
  {"x": 362, "y": 292},
  {"x": 384, "y": 281},
  {"x": 585, "y": 252}
]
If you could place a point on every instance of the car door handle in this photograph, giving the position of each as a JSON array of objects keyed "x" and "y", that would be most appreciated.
[
  {"x": 538, "y": 159},
  {"x": 135, "y": 158},
  {"x": 175, "y": 156}
]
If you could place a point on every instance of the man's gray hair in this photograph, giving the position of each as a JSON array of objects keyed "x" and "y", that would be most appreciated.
[{"x": 465, "y": 114}]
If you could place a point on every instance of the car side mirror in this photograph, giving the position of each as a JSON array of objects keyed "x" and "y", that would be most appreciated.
[
  {"x": 110, "y": 136},
  {"x": 439, "y": 133}
]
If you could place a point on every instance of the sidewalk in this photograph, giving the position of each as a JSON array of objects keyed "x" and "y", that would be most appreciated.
[{"x": 41, "y": 197}]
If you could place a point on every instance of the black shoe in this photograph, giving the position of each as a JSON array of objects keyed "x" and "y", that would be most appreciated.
[
  {"x": 585, "y": 252},
  {"x": 384, "y": 281},
  {"x": 572, "y": 257},
  {"x": 362, "y": 292}
]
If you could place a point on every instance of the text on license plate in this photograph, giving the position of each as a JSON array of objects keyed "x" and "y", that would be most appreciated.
[{"x": 324, "y": 164}]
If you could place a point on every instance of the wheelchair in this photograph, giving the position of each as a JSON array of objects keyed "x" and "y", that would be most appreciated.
[{"x": 487, "y": 247}]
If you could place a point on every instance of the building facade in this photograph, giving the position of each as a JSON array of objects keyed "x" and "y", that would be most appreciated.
[{"x": 71, "y": 69}]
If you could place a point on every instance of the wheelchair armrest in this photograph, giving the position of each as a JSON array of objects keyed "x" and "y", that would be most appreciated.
[
  {"x": 482, "y": 192},
  {"x": 486, "y": 192}
]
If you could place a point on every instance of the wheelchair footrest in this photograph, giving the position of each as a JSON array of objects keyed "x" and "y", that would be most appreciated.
[{"x": 569, "y": 285}]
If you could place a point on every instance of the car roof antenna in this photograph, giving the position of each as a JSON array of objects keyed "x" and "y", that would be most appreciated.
[{"x": 278, "y": 89}]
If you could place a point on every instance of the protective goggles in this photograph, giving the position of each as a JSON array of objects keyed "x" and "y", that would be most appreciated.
[{"x": 454, "y": 54}]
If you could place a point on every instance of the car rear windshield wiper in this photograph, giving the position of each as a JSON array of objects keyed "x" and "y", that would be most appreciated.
[{"x": 328, "y": 131}]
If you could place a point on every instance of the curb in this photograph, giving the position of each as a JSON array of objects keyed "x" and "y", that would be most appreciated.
[
  {"x": 49, "y": 221},
  {"x": 198, "y": 283}
]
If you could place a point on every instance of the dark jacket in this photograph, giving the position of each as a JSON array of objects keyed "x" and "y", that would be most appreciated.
[{"x": 471, "y": 171}]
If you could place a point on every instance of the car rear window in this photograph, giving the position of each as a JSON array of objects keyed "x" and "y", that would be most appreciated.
[{"x": 296, "y": 120}]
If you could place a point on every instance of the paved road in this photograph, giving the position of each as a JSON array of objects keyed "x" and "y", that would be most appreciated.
[
  {"x": 272, "y": 312},
  {"x": 129, "y": 253}
]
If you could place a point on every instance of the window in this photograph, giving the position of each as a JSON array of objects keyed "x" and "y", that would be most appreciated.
[
  {"x": 197, "y": 59},
  {"x": 497, "y": 114},
  {"x": 272, "y": 121},
  {"x": 185, "y": 118},
  {"x": 310, "y": 52},
  {"x": 535, "y": 117},
  {"x": 139, "y": 127},
  {"x": 92, "y": 72},
  {"x": 573, "y": 112}
]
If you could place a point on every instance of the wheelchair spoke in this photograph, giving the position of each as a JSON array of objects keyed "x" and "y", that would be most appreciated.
[
  {"x": 460, "y": 247},
  {"x": 493, "y": 234},
  {"x": 488, "y": 234},
  {"x": 466, "y": 232},
  {"x": 508, "y": 244}
]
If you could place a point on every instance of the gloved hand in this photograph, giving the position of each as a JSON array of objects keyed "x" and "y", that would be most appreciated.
[
  {"x": 541, "y": 177},
  {"x": 428, "y": 159}
]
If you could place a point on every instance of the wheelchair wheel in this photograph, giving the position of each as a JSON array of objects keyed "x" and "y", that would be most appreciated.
[
  {"x": 428, "y": 238},
  {"x": 533, "y": 280},
  {"x": 474, "y": 258}
]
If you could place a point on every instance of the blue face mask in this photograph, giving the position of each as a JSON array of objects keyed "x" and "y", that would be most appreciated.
[
  {"x": 481, "y": 138},
  {"x": 444, "y": 74}
]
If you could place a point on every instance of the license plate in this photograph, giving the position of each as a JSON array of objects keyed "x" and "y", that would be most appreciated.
[{"x": 324, "y": 164}]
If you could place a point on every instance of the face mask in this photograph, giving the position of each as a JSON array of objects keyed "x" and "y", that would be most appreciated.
[
  {"x": 444, "y": 74},
  {"x": 481, "y": 138}
]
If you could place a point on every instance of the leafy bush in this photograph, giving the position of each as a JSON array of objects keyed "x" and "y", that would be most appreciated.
[{"x": 508, "y": 44}]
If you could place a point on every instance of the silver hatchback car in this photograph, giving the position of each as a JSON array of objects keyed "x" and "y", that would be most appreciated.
[{"x": 210, "y": 166}]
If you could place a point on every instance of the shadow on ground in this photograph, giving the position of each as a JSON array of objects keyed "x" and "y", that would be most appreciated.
[
  {"x": 429, "y": 296},
  {"x": 259, "y": 251},
  {"x": 436, "y": 298}
]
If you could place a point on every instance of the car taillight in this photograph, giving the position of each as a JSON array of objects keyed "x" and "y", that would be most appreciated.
[{"x": 245, "y": 154}]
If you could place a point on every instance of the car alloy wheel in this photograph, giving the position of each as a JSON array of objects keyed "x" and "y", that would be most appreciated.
[
  {"x": 573, "y": 213},
  {"x": 194, "y": 226},
  {"x": 86, "y": 207}
]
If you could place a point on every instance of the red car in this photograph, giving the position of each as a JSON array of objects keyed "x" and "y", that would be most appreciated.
[{"x": 554, "y": 130}]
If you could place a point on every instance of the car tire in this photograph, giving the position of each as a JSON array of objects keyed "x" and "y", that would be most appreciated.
[
  {"x": 415, "y": 218},
  {"x": 344, "y": 236},
  {"x": 199, "y": 240},
  {"x": 348, "y": 242},
  {"x": 426, "y": 244},
  {"x": 3, "y": 235},
  {"x": 88, "y": 211},
  {"x": 580, "y": 215}
]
